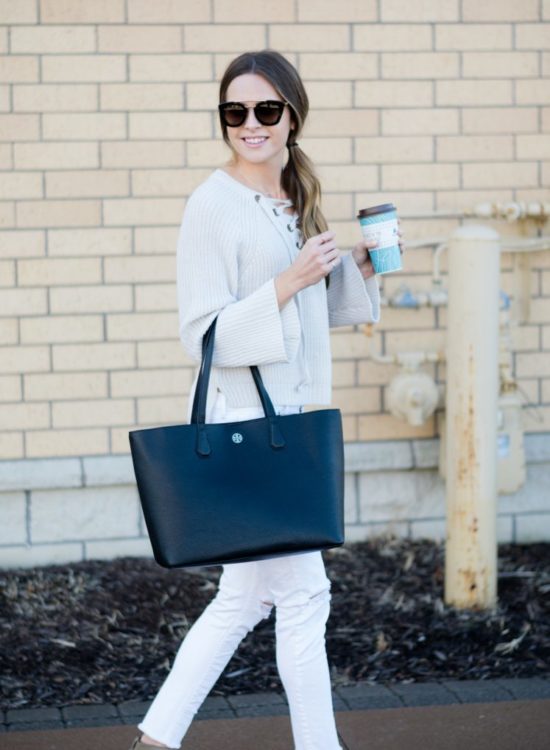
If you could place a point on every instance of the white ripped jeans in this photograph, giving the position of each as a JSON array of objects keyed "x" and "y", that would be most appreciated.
[{"x": 300, "y": 590}]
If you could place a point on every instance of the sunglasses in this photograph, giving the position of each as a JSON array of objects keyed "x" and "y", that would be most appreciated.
[{"x": 234, "y": 114}]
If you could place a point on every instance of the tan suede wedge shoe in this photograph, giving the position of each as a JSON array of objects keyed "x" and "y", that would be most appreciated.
[{"x": 137, "y": 744}]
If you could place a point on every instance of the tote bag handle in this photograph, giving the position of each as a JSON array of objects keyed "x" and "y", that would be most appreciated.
[{"x": 198, "y": 413}]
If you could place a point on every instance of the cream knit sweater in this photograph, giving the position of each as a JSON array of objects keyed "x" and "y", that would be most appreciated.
[{"x": 231, "y": 247}]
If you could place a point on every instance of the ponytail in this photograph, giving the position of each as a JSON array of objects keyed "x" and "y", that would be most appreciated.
[{"x": 302, "y": 186}]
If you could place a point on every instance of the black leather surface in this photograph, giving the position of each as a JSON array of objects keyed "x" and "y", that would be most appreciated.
[{"x": 216, "y": 493}]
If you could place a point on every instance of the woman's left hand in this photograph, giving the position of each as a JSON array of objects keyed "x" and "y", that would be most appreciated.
[{"x": 361, "y": 254}]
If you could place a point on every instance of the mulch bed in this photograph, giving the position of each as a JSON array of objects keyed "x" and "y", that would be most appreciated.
[{"x": 94, "y": 632}]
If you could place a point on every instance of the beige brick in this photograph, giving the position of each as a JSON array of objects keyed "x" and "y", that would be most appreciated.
[
  {"x": 55, "y": 155},
  {"x": 496, "y": 174},
  {"x": 7, "y": 215},
  {"x": 533, "y": 147},
  {"x": 23, "y": 11},
  {"x": 395, "y": 319},
  {"x": 3, "y": 39},
  {"x": 55, "y": 271},
  {"x": 92, "y": 413},
  {"x": 24, "y": 301},
  {"x": 347, "y": 231},
  {"x": 183, "y": 67},
  {"x": 388, "y": 93},
  {"x": 532, "y": 91},
  {"x": 533, "y": 364},
  {"x": 168, "y": 11},
  {"x": 49, "y": 387},
  {"x": 91, "y": 126},
  {"x": 545, "y": 119},
  {"x": 419, "y": 65},
  {"x": 178, "y": 125},
  {"x": 159, "y": 182},
  {"x": 524, "y": 337},
  {"x": 223, "y": 38},
  {"x": 82, "y": 68},
  {"x": 351, "y": 177},
  {"x": 475, "y": 148},
  {"x": 202, "y": 95},
  {"x": 63, "y": 328},
  {"x": 20, "y": 244},
  {"x": 222, "y": 60},
  {"x": 337, "y": 206},
  {"x": 58, "y": 442},
  {"x": 119, "y": 443},
  {"x": 156, "y": 297},
  {"x": 395, "y": 36},
  {"x": 500, "y": 64},
  {"x": 52, "y": 39},
  {"x": 388, "y": 427},
  {"x": 545, "y": 391},
  {"x": 10, "y": 388},
  {"x": 162, "y": 354},
  {"x": 163, "y": 39},
  {"x": 80, "y": 11},
  {"x": 6, "y": 160},
  {"x": 309, "y": 37},
  {"x": 210, "y": 153},
  {"x": 472, "y": 92},
  {"x": 141, "y": 211},
  {"x": 153, "y": 411},
  {"x": 21, "y": 185},
  {"x": 86, "y": 357},
  {"x": 349, "y": 428},
  {"x": 142, "y": 153},
  {"x": 394, "y": 149},
  {"x": 500, "y": 120},
  {"x": 500, "y": 10},
  {"x": 93, "y": 299},
  {"x": 8, "y": 331},
  {"x": 357, "y": 400},
  {"x": 418, "y": 176},
  {"x": 139, "y": 268},
  {"x": 24, "y": 416},
  {"x": 165, "y": 382},
  {"x": 142, "y": 326},
  {"x": 416, "y": 341},
  {"x": 7, "y": 273},
  {"x": 58, "y": 213},
  {"x": 546, "y": 10},
  {"x": 375, "y": 373},
  {"x": 349, "y": 345},
  {"x": 317, "y": 11},
  {"x": 19, "y": 69},
  {"x": 96, "y": 242},
  {"x": 337, "y": 66},
  {"x": 155, "y": 240},
  {"x": 345, "y": 122},
  {"x": 261, "y": 11},
  {"x": 546, "y": 285},
  {"x": 419, "y": 121},
  {"x": 343, "y": 374},
  {"x": 540, "y": 311},
  {"x": 19, "y": 127},
  {"x": 87, "y": 184},
  {"x": 546, "y": 64},
  {"x": 11, "y": 445},
  {"x": 5, "y": 103},
  {"x": 53, "y": 97},
  {"x": 471, "y": 36},
  {"x": 141, "y": 96},
  {"x": 330, "y": 95},
  {"x": 422, "y": 10},
  {"x": 328, "y": 150}
]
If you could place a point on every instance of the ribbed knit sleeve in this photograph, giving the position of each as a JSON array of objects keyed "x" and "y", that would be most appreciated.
[
  {"x": 352, "y": 299},
  {"x": 251, "y": 329}
]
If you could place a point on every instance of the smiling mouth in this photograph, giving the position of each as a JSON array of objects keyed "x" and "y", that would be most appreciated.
[{"x": 256, "y": 141}]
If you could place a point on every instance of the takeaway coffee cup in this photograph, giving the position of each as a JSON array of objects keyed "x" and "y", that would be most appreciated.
[{"x": 380, "y": 223}]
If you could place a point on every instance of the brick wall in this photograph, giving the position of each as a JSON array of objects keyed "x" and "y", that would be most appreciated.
[{"x": 107, "y": 124}]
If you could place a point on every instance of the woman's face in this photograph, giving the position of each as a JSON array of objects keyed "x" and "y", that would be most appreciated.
[{"x": 252, "y": 142}]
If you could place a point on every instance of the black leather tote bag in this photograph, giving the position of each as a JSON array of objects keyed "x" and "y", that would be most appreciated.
[{"x": 231, "y": 492}]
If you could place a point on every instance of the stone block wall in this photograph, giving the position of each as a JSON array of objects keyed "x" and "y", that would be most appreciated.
[{"x": 108, "y": 122}]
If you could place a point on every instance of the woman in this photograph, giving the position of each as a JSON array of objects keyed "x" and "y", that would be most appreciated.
[{"x": 254, "y": 250}]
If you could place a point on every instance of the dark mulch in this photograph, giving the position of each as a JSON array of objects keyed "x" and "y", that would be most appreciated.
[{"x": 107, "y": 631}]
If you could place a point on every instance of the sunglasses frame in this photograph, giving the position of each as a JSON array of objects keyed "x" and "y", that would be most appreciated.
[{"x": 223, "y": 106}]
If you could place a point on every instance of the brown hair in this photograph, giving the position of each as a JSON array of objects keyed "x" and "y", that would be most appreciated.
[{"x": 298, "y": 180}]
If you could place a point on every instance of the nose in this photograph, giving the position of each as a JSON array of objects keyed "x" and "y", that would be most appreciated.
[{"x": 251, "y": 121}]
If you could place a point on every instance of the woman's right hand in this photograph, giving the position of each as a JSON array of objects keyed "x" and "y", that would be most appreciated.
[{"x": 317, "y": 258}]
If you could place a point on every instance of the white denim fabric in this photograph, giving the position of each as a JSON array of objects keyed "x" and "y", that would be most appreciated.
[{"x": 300, "y": 591}]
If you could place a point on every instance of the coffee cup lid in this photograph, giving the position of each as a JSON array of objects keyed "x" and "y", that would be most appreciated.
[{"x": 382, "y": 208}]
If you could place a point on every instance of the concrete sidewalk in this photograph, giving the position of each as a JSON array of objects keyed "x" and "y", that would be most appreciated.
[{"x": 503, "y": 714}]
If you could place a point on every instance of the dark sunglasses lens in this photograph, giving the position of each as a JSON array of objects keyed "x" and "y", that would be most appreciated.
[
  {"x": 269, "y": 113},
  {"x": 233, "y": 115}
]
